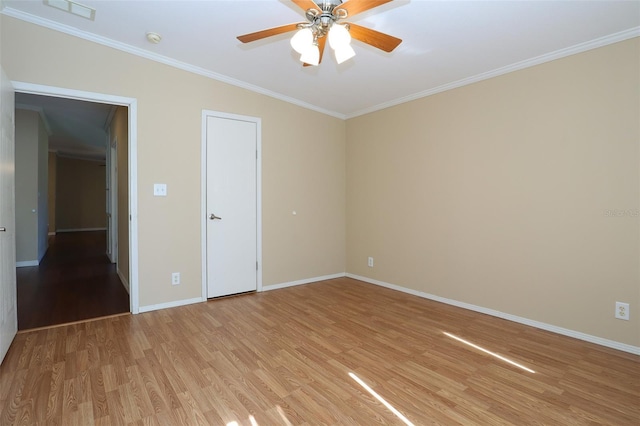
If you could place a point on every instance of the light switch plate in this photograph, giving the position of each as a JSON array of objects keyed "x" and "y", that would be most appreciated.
[{"x": 160, "y": 189}]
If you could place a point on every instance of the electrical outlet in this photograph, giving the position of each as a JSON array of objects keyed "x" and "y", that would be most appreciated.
[
  {"x": 622, "y": 311},
  {"x": 175, "y": 278},
  {"x": 370, "y": 262},
  {"x": 160, "y": 189}
]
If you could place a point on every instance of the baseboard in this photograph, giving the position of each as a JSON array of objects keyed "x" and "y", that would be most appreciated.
[
  {"x": 537, "y": 324},
  {"x": 25, "y": 263},
  {"x": 125, "y": 281},
  {"x": 301, "y": 282},
  {"x": 175, "y": 304},
  {"x": 81, "y": 229}
]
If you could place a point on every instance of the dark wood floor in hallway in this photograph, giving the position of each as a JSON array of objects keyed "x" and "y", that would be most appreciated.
[{"x": 75, "y": 281}]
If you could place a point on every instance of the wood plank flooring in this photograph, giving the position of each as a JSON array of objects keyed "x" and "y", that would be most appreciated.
[
  {"x": 283, "y": 358},
  {"x": 75, "y": 281}
]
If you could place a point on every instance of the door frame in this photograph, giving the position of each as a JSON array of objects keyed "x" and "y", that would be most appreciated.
[
  {"x": 203, "y": 192},
  {"x": 112, "y": 168},
  {"x": 132, "y": 107}
]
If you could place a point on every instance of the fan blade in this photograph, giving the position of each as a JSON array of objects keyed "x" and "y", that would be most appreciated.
[
  {"x": 321, "y": 43},
  {"x": 267, "y": 33},
  {"x": 306, "y": 4},
  {"x": 353, "y": 7},
  {"x": 375, "y": 38}
]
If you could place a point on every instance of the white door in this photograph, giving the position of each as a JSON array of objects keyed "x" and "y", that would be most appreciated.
[
  {"x": 8, "y": 302},
  {"x": 231, "y": 206}
]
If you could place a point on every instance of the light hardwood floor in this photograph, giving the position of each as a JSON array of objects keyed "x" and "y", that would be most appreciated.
[{"x": 283, "y": 358}]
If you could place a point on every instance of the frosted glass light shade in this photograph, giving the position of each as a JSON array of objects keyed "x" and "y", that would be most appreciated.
[
  {"x": 311, "y": 55},
  {"x": 339, "y": 36},
  {"x": 344, "y": 53},
  {"x": 302, "y": 40}
]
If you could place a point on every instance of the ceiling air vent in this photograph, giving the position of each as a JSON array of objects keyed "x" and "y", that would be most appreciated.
[{"x": 73, "y": 7}]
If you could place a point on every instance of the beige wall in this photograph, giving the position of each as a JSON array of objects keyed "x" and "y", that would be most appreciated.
[
  {"x": 120, "y": 129},
  {"x": 302, "y": 170},
  {"x": 497, "y": 194},
  {"x": 492, "y": 194},
  {"x": 51, "y": 205},
  {"x": 32, "y": 144},
  {"x": 26, "y": 167},
  {"x": 80, "y": 195}
]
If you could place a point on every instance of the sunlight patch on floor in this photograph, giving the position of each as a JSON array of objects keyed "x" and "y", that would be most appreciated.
[
  {"x": 381, "y": 399},
  {"x": 500, "y": 357},
  {"x": 284, "y": 416},
  {"x": 252, "y": 420}
]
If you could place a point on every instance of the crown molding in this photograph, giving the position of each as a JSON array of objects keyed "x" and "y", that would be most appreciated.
[
  {"x": 66, "y": 29},
  {"x": 547, "y": 57},
  {"x": 81, "y": 155},
  {"x": 558, "y": 54}
]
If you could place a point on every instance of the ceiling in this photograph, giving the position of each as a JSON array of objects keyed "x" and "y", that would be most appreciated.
[
  {"x": 76, "y": 128},
  {"x": 445, "y": 43}
]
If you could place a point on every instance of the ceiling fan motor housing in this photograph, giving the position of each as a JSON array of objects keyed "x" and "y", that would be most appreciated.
[
  {"x": 321, "y": 20},
  {"x": 327, "y": 5}
]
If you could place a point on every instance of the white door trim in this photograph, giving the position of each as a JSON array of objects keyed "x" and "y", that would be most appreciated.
[
  {"x": 203, "y": 192},
  {"x": 132, "y": 104}
]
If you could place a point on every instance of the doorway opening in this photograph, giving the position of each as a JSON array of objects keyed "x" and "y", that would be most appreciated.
[{"x": 90, "y": 267}]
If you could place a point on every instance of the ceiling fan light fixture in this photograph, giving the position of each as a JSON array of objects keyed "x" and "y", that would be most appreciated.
[
  {"x": 339, "y": 36},
  {"x": 324, "y": 19},
  {"x": 311, "y": 55},
  {"x": 301, "y": 40},
  {"x": 344, "y": 53}
]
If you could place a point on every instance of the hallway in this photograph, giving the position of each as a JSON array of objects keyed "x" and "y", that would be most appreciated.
[{"x": 75, "y": 281}]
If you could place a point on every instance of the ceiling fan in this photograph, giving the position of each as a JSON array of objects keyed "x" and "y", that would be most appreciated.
[{"x": 324, "y": 21}]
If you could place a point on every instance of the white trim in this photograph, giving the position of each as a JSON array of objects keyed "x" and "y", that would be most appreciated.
[
  {"x": 80, "y": 229},
  {"x": 533, "y": 323},
  {"x": 203, "y": 193},
  {"x": 14, "y": 13},
  {"x": 304, "y": 281},
  {"x": 62, "y": 92},
  {"x": 132, "y": 104},
  {"x": 203, "y": 205},
  {"x": 98, "y": 157},
  {"x": 26, "y": 263},
  {"x": 52, "y": 233},
  {"x": 527, "y": 63},
  {"x": 133, "y": 207},
  {"x": 259, "y": 203},
  {"x": 174, "y": 304}
]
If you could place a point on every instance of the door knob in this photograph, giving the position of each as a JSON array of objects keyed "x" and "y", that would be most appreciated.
[
  {"x": 214, "y": 217},
  {"x": 3, "y": 229}
]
